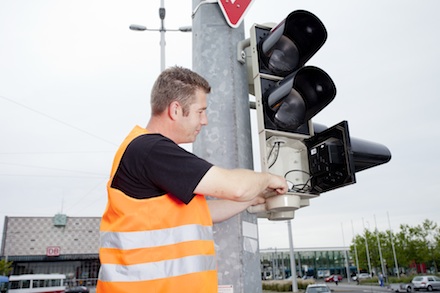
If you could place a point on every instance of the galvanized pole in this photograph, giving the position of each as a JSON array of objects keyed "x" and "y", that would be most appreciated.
[
  {"x": 366, "y": 247},
  {"x": 384, "y": 272},
  {"x": 347, "y": 265},
  {"x": 355, "y": 249},
  {"x": 226, "y": 140},
  {"x": 394, "y": 250},
  {"x": 162, "y": 35},
  {"x": 292, "y": 258}
]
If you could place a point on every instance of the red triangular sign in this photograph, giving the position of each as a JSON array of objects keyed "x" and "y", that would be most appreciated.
[{"x": 234, "y": 10}]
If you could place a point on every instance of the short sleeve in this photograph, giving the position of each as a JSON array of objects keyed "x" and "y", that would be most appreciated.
[{"x": 153, "y": 165}]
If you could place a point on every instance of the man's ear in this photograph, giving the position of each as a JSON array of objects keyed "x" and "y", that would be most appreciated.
[{"x": 173, "y": 110}]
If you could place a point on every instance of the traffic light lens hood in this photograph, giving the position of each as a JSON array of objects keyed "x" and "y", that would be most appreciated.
[
  {"x": 282, "y": 58},
  {"x": 292, "y": 43},
  {"x": 299, "y": 97},
  {"x": 316, "y": 87},
  {"x": 291, "y": 112},
  {"x": 307, "y": 31}
]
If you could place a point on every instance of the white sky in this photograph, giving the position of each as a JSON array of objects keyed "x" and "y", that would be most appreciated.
[{"x": 74, "y": 80}]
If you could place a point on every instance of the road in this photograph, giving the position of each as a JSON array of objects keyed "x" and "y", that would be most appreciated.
[
  {"x": 342, "y": 287},
  {"x": 351, "y": 288}
]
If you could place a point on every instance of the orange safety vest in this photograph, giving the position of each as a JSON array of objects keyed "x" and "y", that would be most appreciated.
[{"x": 157, "y": 244}]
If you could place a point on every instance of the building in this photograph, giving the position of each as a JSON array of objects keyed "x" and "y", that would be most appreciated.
[
  {"x": 59, "y": 244},
  {"x": 310, "y": 262}
]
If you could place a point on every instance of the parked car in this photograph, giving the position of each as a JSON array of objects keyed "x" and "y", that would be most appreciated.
[
  {"x": 400, "y": 287},
  {"x": 331, "y": 278},
  {"x": 78, "y": 289},
  {"x": 318, "y": 288},
  {"x": 427, "y": 282},
  {"x": 361, "y": 276}
]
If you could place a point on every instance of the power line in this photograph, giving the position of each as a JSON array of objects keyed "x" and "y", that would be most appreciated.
[{"x": 57, "y": 120}]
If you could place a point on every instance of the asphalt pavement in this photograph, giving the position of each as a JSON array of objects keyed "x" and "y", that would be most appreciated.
[
  {"x": 345, "y": 287},
  {"x": 341, "y": 287}
]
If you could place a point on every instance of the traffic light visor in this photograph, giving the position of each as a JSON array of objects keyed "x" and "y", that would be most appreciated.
[
  {"x": 299, "y": 97},
  {"x": 292, "y": 43}
]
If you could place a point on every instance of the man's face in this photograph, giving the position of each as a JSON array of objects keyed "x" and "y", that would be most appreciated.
[{"x": 191, "y": 124}]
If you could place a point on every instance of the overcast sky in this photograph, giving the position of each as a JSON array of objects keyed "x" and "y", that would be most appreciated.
[{"x": 74, "y": 80}]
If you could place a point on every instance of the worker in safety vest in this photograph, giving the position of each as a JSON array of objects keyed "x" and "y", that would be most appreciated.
[{"x": 156, "y": 231}]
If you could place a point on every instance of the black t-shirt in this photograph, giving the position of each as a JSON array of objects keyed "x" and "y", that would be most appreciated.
[{"x": 153, "y": 165}]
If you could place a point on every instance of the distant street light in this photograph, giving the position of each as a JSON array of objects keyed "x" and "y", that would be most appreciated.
[
  {"x": 366, "y": 246},
  {"x": 162, "y": 30}
]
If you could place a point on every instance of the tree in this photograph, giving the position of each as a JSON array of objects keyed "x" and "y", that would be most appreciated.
[
  {"x": 5, "y": 267},
  {"x": 412, "y": 245}
]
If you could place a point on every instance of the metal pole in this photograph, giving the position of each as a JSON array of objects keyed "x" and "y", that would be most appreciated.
[
  {"x": 226, "y": 140},
  {"x": 384, "y": 273},
  {"x": 292, "y": 258},
  {"x": 355, "y": 249},
  {"x": 162, "y": 35},
  {"x": 347, "y": 267},
  {"x": 162, "y": 31},
  {"x": 392, "y": 246},
  {"x": 366, "y": 247}
]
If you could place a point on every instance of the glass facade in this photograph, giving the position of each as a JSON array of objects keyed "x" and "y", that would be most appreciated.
[
  {"x": 78, "y": 272},
  {"x": 319, "y": 263}
]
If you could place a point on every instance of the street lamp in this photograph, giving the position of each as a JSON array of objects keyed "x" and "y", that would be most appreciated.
[
  {"x": 366, "y": 246},
  {"x": 162, "y": 30}
]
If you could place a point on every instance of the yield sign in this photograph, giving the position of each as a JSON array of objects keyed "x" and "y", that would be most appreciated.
[{"x": 234, "y": 10}]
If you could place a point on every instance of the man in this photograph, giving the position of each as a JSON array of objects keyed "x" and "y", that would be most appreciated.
[
  {"x": 156, "y": 232},
  {"x": 336, "y": 279}
]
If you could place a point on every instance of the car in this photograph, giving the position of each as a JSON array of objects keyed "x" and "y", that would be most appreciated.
[
  {"x": 361, "y": 276},
  {"x": 77, "y": 289},
  {"x": 400, "y": 287},
  {"x": 427, "y": 282},
  {"x": 318, "y": 288},
  {"x": 331, "y": 278}
]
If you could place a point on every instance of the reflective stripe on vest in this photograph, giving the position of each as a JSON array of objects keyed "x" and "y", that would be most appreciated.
[
  {"x": 157, "y": 270},
  {"x": 144, "y": 239}
]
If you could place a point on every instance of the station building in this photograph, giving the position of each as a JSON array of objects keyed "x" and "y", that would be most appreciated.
[{"x": 59, "y": 244}]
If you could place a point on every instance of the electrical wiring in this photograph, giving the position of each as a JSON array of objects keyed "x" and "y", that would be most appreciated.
[
  {"x": 278, "y": 143},
  {"x": 302, "y": 188}
]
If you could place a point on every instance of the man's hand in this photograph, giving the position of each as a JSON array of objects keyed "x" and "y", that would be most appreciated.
[{"x": 277, "y": 186}]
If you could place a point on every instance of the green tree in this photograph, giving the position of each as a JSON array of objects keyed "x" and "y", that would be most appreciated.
[
  {"x": 5, "y": 267},
  {"x": 412, "y": 245}
]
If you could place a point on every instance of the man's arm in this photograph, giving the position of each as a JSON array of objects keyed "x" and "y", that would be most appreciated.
[
  {"x": 240, "y": 184},
  {"x": 223, "y": 209}
]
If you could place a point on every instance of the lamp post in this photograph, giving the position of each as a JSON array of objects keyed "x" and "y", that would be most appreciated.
[
  {"x": 355, "y": 249},
  {"x": 292, "y": 259},
  {"x": 382, "y": 266},
  {"x": 394, "y": 250},
  {"x": 162, "y": 30},
  {"x": 366, "y": 246}
]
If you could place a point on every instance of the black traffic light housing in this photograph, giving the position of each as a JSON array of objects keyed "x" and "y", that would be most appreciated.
[
  {"x": 288, "y": 94},
  {"x": 292, "y": 94}
]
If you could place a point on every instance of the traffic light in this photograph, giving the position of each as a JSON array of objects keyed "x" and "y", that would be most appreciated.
[
  {"x": 288, "y": 94},
  {"x": 291, "y": 93}
]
